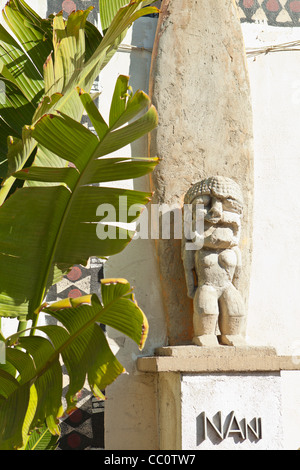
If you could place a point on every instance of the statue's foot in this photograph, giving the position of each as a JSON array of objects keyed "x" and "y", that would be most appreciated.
[
  {"x": 232, "y": 340},
  {"x": 209, "y": 341}
]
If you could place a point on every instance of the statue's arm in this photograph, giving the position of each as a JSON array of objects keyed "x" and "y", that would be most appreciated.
[
  {"x": 238, "y": 268},
  {"x": 188, "y": 257}
]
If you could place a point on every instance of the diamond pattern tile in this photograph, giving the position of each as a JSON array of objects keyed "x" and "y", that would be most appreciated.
[
  {"x": 83, "y": 429},
  {"x": 67, "y": 6},
  {"x": 272, "y": 12}
]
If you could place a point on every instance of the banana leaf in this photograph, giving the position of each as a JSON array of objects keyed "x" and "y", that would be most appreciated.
[
  {"x": 48, "y": 228},
  {"x": 41, "y": 439},
  {"x": 109, "y": 8},
  {"x": 52, "y": 222},
  {"x": 33, "y": 396},
  {"x": 50, "y": 60}
]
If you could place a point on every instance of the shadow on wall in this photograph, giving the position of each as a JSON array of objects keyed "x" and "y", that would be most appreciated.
[
  {"x": 138, "y": 261},
  {"x": 180, "y": 329}
]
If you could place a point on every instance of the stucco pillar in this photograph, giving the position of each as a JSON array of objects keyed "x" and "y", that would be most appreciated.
[{"x": 200, "y": 87}]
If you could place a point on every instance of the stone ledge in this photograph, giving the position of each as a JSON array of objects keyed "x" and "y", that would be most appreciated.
[{"x": 193, "y": 359}]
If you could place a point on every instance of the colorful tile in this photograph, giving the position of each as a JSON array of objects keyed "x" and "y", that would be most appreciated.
[
  {"x": 84, "y": 429},
  {"x": 272, "y": 12},
  {"x": 67, "y": 6}
]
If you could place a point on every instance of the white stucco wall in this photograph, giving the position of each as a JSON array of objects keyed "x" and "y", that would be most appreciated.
[
  {"x": 275, "y": 84},
  {"x": 273, "y": 304}
]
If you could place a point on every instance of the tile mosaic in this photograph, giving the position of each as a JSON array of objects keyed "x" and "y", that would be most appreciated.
[{"x": 273, "y": 12}]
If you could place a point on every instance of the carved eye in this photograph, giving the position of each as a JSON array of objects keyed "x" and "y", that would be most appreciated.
[
  {"x": 232, "y": 206},
  {"x": 205, "y": 200}
]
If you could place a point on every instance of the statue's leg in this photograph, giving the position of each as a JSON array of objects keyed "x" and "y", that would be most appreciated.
[
  {"x": 232, "y": 318},
  {"x": 206, "y": 312}
]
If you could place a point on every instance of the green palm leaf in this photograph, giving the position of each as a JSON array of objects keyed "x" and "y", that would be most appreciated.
[
  {"x": 53, "y": 222},
  {"x": 109, "y": 8},
  {"x": 61, "y": 213},
  {"x": 41, "y": 439},
  {"x": 35, "y": 396},
  {"x": 79, "y": 54},
  {"x": 35, "y": 38}
]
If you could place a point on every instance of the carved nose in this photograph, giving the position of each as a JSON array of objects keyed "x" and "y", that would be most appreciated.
[{"x": 216, "y": 211}]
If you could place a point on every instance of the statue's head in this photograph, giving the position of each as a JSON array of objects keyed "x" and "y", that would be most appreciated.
[{"x": 222, "y": 202}]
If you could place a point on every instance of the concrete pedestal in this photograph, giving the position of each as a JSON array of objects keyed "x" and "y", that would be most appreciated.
[{"x": 220, "y": 398}]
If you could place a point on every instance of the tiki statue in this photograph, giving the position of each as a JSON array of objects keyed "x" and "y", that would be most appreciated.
[{"x": 212, "y": 262}]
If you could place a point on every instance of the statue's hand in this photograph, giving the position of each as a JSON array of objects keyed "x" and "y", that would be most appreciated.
[{"x": 191, "y": 292}]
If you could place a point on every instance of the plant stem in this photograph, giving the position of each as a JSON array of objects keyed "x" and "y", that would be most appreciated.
[
  {"x": 21, "y": 327},
  {"x": 34, "y": 324}
]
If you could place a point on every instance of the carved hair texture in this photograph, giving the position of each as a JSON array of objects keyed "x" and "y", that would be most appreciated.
[{"x": 218, "y": 186}]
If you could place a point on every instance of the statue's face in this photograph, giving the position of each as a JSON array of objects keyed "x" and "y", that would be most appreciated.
[{"x": 222, "y": 221}]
